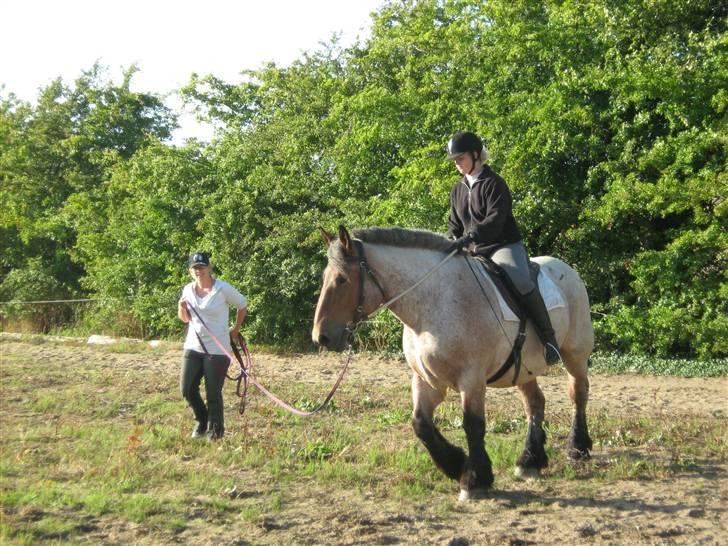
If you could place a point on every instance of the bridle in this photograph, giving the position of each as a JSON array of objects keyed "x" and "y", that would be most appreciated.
[{"x": 366, "y": 271}]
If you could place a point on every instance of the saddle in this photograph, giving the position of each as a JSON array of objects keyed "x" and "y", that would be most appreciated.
[
  {"x": 504, "y": 285},
  {"x": 511, "y": 296}
]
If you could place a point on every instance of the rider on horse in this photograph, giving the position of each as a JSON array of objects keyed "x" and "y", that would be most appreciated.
[{"x": 481, "y": 220}]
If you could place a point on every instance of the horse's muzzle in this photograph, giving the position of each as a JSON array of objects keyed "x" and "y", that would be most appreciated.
[{"x": 331, "y": 336}]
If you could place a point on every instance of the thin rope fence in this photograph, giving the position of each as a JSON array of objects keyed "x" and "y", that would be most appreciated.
[{"x": 18, "y": 302}]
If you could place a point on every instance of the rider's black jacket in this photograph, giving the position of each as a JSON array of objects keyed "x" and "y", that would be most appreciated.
[{"x": 483, "y": 210}]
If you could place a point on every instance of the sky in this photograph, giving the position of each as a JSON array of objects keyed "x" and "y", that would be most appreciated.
[{"x": 168, "y": 40}]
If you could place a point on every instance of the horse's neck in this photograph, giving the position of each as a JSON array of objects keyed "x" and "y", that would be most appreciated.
[{"x": 398, "y": 269}]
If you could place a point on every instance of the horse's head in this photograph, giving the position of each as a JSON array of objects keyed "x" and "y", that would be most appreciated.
[{"x": 340, "y": 304}]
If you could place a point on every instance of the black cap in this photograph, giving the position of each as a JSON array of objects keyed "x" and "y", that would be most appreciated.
[
  {"x": 462, "y": 142},
  {"x": 198, "y": 259}
]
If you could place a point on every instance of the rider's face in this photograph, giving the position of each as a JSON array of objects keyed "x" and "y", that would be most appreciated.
[{"x": 464, "y": 163}]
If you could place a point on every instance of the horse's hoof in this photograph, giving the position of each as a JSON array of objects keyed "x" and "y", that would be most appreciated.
[
  {"x": 472, "y": 494},
  {"x": 526, "y": 473},
  {"x": 579, "y": 454}
]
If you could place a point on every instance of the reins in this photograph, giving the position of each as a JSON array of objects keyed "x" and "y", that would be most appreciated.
[
  {"x": 246, "y": 375},
  {"x": 419, "y": 282},
  {"x": 359, "y": 315},
  {"x": 245, "y": 359}
]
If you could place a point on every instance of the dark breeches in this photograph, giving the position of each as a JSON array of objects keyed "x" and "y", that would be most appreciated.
[{"x": 195, "y": 366}]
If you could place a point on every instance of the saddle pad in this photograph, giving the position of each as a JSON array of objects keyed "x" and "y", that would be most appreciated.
[{"x": 552, "y": 296}]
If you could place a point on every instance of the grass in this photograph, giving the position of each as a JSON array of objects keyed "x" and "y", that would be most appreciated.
[{"x": 85, "y": 440}]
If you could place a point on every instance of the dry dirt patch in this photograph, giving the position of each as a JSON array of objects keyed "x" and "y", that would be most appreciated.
[{"x": 688, "y": 508}]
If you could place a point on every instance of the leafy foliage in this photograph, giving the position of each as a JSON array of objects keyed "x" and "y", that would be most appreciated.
[
  {"x": 606, "y": 118},
  {"x": 628, "y": 363},
  {"x": 55, "y": 158}
]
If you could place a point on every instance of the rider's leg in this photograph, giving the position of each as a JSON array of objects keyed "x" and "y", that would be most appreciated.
[
  {"x": 513, "y": 260},
  {"x": 536, "y": 309}
]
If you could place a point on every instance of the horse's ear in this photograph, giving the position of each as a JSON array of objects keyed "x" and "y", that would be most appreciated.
[
  {"x": 345, "y": 240},
  {"x": 326, "y": 235}
]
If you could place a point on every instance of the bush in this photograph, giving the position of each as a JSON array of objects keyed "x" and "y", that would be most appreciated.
[{"x": 33, "y": 283}]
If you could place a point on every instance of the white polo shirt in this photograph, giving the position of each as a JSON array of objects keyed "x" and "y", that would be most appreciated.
[{"x": 214, "y": 310}]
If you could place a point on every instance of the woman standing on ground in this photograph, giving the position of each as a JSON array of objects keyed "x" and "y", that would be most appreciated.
[{"x": 207, "y": 299}]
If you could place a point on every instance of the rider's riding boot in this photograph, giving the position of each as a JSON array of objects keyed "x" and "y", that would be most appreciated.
[{"x": 536, "y": 309}]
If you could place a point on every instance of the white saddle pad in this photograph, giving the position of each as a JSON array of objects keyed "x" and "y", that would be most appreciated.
[{"x": 551, "y": 294}]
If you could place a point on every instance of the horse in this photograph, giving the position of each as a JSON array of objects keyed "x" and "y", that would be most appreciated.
[{"x": 453, "y": 339}]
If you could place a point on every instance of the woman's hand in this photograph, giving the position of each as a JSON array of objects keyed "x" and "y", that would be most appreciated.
[
  {"x": 462, "y": 242},
  {"x": 182, "y": 312},
  {"x": 239, "y": 318}
]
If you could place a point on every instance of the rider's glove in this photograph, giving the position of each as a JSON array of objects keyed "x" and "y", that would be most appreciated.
[{"x": 462, "y": 242}]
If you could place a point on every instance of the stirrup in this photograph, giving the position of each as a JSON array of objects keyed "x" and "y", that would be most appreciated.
[{"x": 551, "y": 354}]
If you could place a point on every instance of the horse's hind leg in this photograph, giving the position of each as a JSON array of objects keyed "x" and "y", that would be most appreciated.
[
  {"x": 533, "y": 458},
  {"x": 579, "y": 440},
  {"x": 448, "y": 458},
  {"x": 477, "y": 474}
]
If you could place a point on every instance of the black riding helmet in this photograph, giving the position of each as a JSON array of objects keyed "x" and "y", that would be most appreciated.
[{"x": 463, "y": 142}]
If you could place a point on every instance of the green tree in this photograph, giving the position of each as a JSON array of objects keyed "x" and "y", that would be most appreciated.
[
  {"x": 135, "y": 233},
  {"x": 62, "y": 148}
]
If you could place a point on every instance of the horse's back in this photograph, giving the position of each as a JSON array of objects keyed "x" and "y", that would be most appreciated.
[
  {"x": 466, "y": 337},
  {"x": 576, "y": 334}
]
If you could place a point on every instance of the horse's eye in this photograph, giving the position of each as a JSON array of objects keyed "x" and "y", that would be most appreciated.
[{"x": 340, "y": 279}]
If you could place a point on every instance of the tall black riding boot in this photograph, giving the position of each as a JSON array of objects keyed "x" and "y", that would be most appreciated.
[{"x": 536, "y": 309}]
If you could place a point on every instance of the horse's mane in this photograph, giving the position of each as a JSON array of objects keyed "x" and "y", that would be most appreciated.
[{"x": 410, "y": 238}]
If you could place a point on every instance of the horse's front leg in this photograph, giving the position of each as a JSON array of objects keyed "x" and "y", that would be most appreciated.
[
  {"x": 533, "y": 458},
  {"x": 477, "y": 475},
  {"x": 447, "y": 457}
]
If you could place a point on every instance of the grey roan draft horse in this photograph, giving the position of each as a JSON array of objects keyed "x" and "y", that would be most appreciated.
[{"x": 454, "y": 339}]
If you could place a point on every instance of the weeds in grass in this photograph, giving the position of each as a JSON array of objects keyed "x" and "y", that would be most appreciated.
[
  {"x": 250, "y": 513},
  {"x": 276, "y": 502},
  {"x": 411, "y": 490},
  {"x": 394, "y": 416},
  {"x": 111, "y": 446}
]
